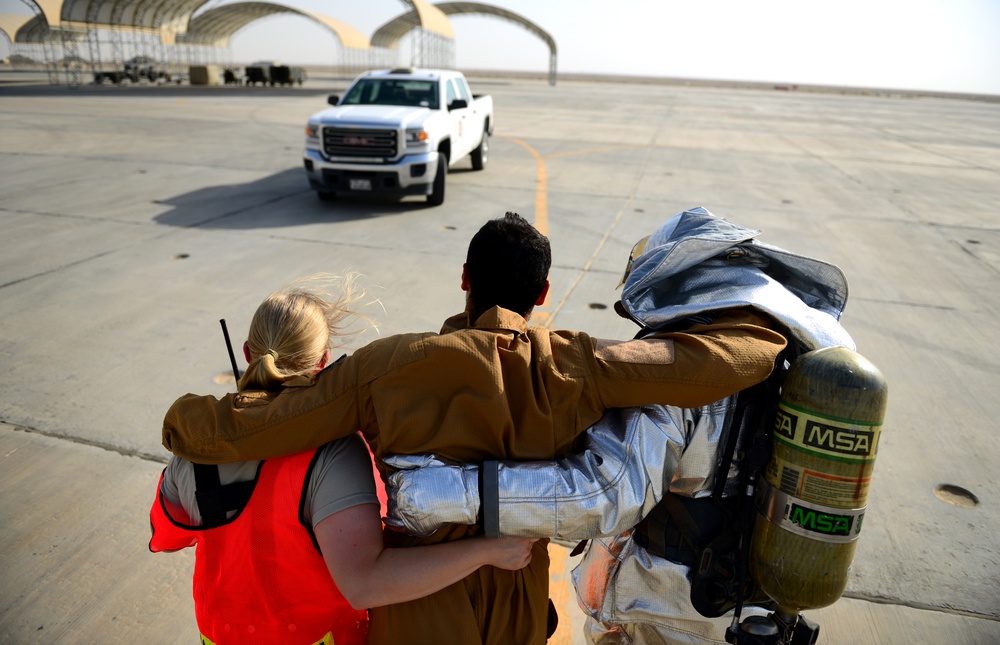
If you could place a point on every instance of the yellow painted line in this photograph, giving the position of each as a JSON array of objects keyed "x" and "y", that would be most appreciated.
[
  {"x": 541, "y": 188},
  {"x": 561, "y": 590},
  {"x": 539, "y": 316},
  {"x": 560, "y": 585},
  {"x": 562, "y": 594}
]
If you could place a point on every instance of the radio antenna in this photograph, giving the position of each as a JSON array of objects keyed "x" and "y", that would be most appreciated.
[{"x": 232, "y": 357}]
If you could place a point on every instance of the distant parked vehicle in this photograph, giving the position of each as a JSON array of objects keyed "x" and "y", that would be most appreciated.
[
  {"x": 109, "y": 76},
  {"x": 274, "y": 74},
  {"x": 232, "y": 76},
  {"x": 285, "y": 75},
  {"x": 135, "y": 69},
  {"x": 144, "y": 67},
  {"x": 258, "y": 74}
]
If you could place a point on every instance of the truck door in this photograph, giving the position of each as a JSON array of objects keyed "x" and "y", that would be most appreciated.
[
  {"x": 474, "y": 120},
  {"x": 460, "y": 125}
]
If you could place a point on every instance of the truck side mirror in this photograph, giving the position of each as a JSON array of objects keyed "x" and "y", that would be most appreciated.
[
  {"x": 333, "y": 99},
  {"x": 458, "y": 104}
]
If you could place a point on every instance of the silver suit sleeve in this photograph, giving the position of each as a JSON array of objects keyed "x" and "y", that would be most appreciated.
[
  {"x": 427, "y": 493},
  {"x": 627, "y": 461}
]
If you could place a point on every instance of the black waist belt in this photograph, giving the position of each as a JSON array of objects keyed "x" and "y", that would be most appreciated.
[
  {"x": 679, "y": 527},
  {"x": 654, "y": 543},
  {"x": 660, "y": 536}
]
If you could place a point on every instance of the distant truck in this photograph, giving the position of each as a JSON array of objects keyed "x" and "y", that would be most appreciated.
[
  {"x": 258, "y": 74},
  {"x": 135, "y": 69},
  {"x": 285, "y": 75},
  {"x": 396, "y": 132},
  {"x": 271, "y": 73}
]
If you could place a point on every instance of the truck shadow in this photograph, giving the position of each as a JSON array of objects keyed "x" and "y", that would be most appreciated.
[{"x": 280, "y": 200}]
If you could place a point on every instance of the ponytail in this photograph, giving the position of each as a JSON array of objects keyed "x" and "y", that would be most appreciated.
[
  {"x": 263, "y": 372},
  {"x": 292, "y": 330}
]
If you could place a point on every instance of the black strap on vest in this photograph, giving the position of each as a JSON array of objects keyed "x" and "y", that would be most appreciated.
[{"x": 215, "y": 501}]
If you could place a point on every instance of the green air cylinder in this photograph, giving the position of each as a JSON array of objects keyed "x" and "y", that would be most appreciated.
[{"x": 812, "y": 498}]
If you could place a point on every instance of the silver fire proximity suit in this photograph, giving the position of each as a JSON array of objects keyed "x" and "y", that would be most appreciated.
[{"x": 694, "y": 264}]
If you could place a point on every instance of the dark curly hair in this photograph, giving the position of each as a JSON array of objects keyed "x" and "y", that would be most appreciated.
[{"x": 507, "y": 265}]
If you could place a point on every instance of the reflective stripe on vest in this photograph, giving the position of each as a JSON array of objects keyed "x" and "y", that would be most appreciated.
[{"x": 326, "y": 640}]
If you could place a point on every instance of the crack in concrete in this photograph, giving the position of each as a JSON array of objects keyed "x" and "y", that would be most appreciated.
[
  {"x": 884, "y": 600},
  {"x": 919, "y": 305},
  {"x": 58, "y": 268},
  {"x": 145, "y": 456}
]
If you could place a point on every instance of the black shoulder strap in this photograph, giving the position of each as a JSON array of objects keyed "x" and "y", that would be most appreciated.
[
  {"x": 673, "y": 326},
  {"x": 214, "y": 500},
  {"x": 747, "y": 427}
]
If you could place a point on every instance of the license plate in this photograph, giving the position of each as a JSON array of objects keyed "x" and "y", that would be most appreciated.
[{"x": 361, "y": 184}]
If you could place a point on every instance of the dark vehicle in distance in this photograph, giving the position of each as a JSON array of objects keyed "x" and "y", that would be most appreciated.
[
  {"x": 274, "y": 75},
  {"x": 135, "y": 69},
  {"x": 257, "y": 74},
  {"x": 285, "y": 75}
]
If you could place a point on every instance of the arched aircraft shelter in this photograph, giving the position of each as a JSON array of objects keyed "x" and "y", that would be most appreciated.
[{"x": 67, "y": 34}]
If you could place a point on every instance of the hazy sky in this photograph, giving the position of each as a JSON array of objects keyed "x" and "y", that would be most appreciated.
[
  {"x": 945, "y": 45},
  {"x": 948, "y": 45}
]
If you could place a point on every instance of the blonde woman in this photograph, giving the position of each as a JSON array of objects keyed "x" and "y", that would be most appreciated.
[{"x": 289, "y": 550}]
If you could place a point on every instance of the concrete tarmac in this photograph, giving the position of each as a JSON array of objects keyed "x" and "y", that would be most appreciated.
[{"x": 134, "y": 218}]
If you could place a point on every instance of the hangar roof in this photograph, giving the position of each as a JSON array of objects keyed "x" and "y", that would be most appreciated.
[
  {"x": 431, "y": 18},
  {"x": 11, "y": 23},
  {"x": 216, "y": 26},
  {"x": 24, "y": 29},
  {"x": 389, "y": 34},
  {"x": 175, "y": 16}
]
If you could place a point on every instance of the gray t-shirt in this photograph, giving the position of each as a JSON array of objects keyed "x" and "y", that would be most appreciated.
[{"x": 341, "y": 478}]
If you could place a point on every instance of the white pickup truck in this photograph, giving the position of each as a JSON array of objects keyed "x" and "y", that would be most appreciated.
[{"x": 396, "y": 132}]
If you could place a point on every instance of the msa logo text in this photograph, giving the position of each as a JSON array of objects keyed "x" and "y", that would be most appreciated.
[
  {"x": 817, "y": 522},
  {"x": 784, "y": 424},
  {"x": 857, "y": 443}
]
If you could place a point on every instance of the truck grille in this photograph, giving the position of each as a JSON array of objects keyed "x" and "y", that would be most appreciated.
[{"x": 359, "y": 142}]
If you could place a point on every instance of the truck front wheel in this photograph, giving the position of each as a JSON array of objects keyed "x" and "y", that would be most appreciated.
[
  {"x": 436, "y": 198},
  {"x": 481, "y": 154}
]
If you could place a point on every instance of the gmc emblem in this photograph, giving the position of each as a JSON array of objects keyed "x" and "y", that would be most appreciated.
[{"x": 356, "y": 141}]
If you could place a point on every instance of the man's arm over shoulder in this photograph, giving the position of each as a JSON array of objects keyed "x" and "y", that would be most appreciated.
[
  {"x": 689, "y": 368},
  {"x": 205, "y": 429}
]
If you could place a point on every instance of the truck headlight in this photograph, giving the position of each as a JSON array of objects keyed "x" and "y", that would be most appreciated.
[
  {"x": 312, "y": 132},
  {"x": 416, "y": 138}
]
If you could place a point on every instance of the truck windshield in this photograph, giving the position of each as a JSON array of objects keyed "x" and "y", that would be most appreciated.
[{"x": 393, "y": 91}]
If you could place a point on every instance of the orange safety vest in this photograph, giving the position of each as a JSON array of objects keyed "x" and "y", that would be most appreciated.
[{"x": 259, "y": 577}]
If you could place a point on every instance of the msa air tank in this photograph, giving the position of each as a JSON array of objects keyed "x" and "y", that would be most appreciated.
[{"x": 813, "y": 495}]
